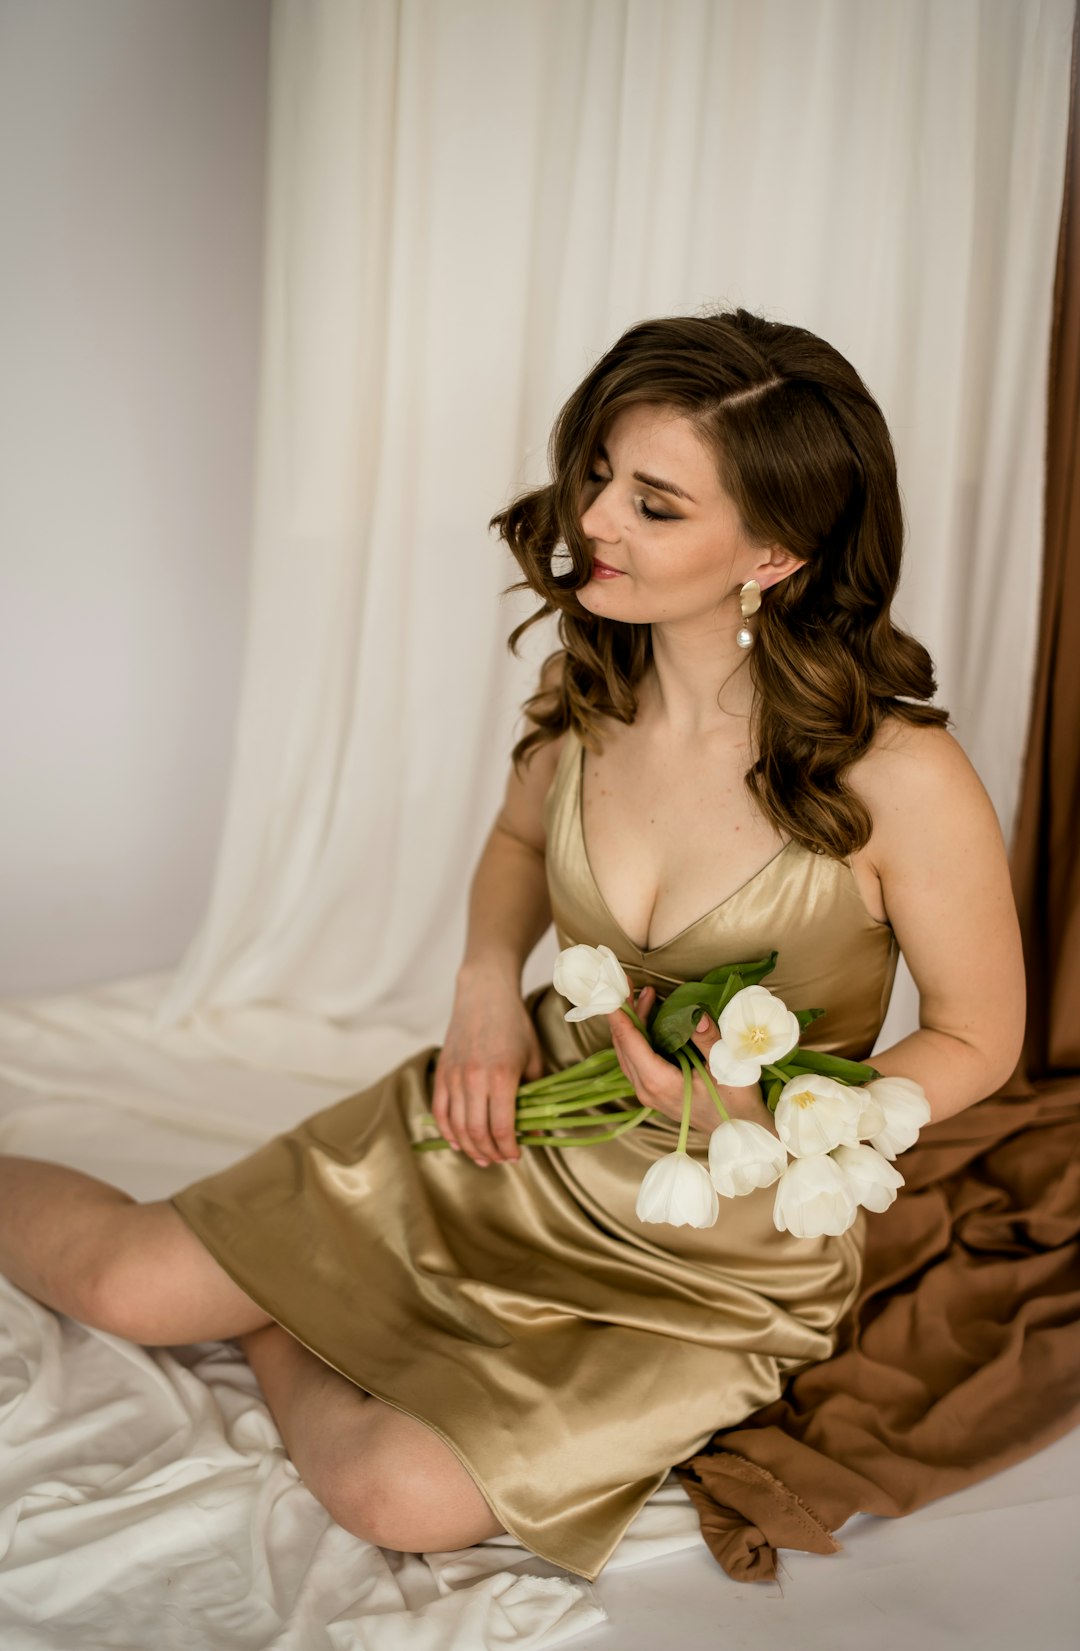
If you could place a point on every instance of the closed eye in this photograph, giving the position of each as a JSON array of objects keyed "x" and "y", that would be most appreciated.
[{"x": 650, "y": 515}]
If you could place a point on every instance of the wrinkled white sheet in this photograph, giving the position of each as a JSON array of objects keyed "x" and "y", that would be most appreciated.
[
  {"x": 146, "y": 1499},
  {"x": 146, "y": 1502}
]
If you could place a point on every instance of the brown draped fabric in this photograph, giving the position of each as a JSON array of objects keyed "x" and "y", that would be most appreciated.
[{"x": 961, "y": 1354}]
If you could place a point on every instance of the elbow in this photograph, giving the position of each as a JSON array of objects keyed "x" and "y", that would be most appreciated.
[{"x": 999, "y": 1052}]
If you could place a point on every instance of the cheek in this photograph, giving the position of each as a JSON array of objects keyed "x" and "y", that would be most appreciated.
[{"x": 682, "y": 573}]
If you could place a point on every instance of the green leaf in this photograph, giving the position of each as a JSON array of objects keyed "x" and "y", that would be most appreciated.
[
  {"x": 750, "y": 973},
  {"x": 733, "y": 984},
  {"x": 680, "y": 1012},
  {"x": 831, "y": 1066},
  {"x": 805, "y": 1016}
]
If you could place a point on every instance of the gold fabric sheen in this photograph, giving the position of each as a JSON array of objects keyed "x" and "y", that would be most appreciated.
[{"x": 568, "y": 1353}]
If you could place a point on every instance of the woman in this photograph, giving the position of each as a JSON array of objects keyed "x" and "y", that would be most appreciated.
[{"x": 731, "y": 752}]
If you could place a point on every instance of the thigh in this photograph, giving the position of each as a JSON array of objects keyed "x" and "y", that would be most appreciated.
[{"x": 159, "y": 1285}]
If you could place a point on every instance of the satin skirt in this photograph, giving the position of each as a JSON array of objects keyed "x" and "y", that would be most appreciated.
[{"x": 568, "y": 1354}]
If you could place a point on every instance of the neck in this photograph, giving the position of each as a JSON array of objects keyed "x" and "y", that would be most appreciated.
[{"x": 699, "y": 682}]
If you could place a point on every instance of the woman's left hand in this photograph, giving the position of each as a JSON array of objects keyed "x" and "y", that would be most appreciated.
[{"x": 659, "y": 1084}]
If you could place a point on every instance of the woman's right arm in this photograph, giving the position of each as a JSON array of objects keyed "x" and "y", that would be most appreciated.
[{"x": 491, "y": 1044}]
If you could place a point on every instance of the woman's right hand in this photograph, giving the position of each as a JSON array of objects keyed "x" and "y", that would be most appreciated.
[{"x": 490, "y": 1048}]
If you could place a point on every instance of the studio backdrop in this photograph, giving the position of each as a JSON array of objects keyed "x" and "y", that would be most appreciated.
[{"x": 468, "y": 201}]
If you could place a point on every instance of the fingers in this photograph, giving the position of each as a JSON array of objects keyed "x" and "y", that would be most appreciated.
[
  {"x": 482, "y": 1113},
  {"x": 440, "y": 1107},
  {"x": 706, "y": 1033},
  {"x": 656, "y": 1082},
  {"x": 501, "y": 1118}
]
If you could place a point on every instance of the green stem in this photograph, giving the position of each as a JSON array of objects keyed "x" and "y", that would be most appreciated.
[
  {"x": 593, "y": 1065},
  {"x": 687, "y": 1100},
  {"x": 539, "y": 1115},
  {"x": 557, "y": 1109},
  {"x": 437, "y": 1143},
  {"x": 572, "y": 1091},
  {"x": 590, "y": 1122},
  {"x": 590, "y": 1140},
  {"x": 709, "y": 1085},
  {"x": 626, "y": 1009}
]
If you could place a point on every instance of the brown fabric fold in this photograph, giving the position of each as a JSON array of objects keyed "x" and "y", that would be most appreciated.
[{"x": 961, "y": 1352}]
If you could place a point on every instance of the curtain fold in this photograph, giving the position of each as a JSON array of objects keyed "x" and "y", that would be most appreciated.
[
  {"x": 1046, "y": 856},
  {"x": 467, "y": 202},
  {"x": 961, "y": 1354}
]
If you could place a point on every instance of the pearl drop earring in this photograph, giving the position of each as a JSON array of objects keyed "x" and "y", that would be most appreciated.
[{"x": 749, "y": 602}]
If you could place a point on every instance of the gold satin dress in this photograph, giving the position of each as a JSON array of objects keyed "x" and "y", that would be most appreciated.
[{"x": 569, "y": 1354}]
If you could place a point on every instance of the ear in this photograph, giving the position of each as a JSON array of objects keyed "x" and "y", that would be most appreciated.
[{"x": 776, "y": 564}]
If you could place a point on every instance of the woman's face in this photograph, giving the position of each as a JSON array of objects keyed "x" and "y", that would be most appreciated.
[{"x": 675, "y": 540}]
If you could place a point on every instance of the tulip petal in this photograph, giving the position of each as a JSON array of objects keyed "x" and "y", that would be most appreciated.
[
  {"x": 676, "y": 1189},
  {"x": 744, "y": 1156},
  {"x": 814, "y": 1199},
  {"x": 728, "y": 1068},
  {"x": 815, "y": 1114},
  {"x": 873, "y": 1180}
]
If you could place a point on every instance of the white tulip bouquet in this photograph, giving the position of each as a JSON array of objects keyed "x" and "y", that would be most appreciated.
[{"x": 839, "y": 1122}]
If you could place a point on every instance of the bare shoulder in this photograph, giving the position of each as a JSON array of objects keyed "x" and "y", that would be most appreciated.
[
  {"x": 916, "y": 779},
  {"x": 522, "y": 813}
]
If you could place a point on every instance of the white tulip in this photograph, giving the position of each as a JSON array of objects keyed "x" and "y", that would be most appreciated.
[
  {"x": 756, "y": 1027},
  {"x": 592, "y": 978},
  {"x": 906, "y": 1110},
  {"x": 815, "y": 1114},
  {"x": 814, "y": 1198},
  {"x": 744, "y": 1155},
  {"x": 872, "y": 1179},
  {"x": 678, "y": 1190},
  {"x": 729, "y": 1069},
  {"x": 872, "y": 1116}
]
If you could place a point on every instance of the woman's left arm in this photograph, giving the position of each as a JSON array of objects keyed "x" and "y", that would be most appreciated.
[{"x": 938, "y": 849}]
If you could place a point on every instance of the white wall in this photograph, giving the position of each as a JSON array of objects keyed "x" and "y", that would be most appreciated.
[{"x": 132, "y": 147}]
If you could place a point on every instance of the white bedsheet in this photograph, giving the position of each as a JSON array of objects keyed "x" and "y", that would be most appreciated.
[
  {"x": 147, "y": 1504},
  {"x": 146, "y": 1499}
]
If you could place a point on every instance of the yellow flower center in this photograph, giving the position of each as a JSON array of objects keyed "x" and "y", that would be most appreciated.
[
  {"x": 757, "y": 1036},
  {"x": 804, "y": 1097}
]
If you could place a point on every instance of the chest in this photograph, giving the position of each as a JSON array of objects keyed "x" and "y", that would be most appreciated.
[{"x": 668, "y": 840}]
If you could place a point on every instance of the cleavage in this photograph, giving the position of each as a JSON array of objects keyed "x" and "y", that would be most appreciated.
[{"x": 755, "y": 844}]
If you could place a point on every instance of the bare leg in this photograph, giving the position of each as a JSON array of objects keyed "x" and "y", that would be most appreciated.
[
  {"x": 381, "y": 1474},
  {"x": 51, "y": 1219},
  {"x": 90, "y": 1250}
]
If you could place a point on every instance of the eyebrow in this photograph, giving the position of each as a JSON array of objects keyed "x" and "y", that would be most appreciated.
[{"x": 650, "y": 481}]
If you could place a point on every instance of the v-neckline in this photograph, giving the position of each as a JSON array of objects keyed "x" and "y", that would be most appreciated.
[{"x": 650, "y": 951}]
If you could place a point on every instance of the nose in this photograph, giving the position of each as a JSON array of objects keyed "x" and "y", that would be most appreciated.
[{"x": 597, "y": 521}]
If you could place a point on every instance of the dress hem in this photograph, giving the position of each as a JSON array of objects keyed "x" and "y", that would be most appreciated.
[{"x": 261, "y": 1301}]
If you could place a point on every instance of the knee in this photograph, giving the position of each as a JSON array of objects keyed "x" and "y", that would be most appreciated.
[
  {"x": 387, "y": 1502},
  {"x": 95, "y": 1292},
  {"x": 370, "y": 1499},
  {"x": 110, "y": 1293}
]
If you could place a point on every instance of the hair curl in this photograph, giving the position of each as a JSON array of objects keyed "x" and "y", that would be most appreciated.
[{"x": 803, "y": 449}]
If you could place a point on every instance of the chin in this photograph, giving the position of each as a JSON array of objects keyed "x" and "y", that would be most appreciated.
[{"x": 597, "y": 597}]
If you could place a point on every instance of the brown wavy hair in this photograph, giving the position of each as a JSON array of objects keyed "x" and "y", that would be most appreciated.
[{"x": 803, "y": 449}]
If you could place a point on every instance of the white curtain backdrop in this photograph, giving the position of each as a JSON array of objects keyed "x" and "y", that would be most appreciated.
[{"x": 469, "y": 200}]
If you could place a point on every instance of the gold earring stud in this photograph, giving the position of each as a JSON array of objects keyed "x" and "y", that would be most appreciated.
[{"x": 749, "y": 602}]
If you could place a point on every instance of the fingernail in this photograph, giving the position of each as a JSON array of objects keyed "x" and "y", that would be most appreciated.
[{"x": 703, "y": 1024}]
